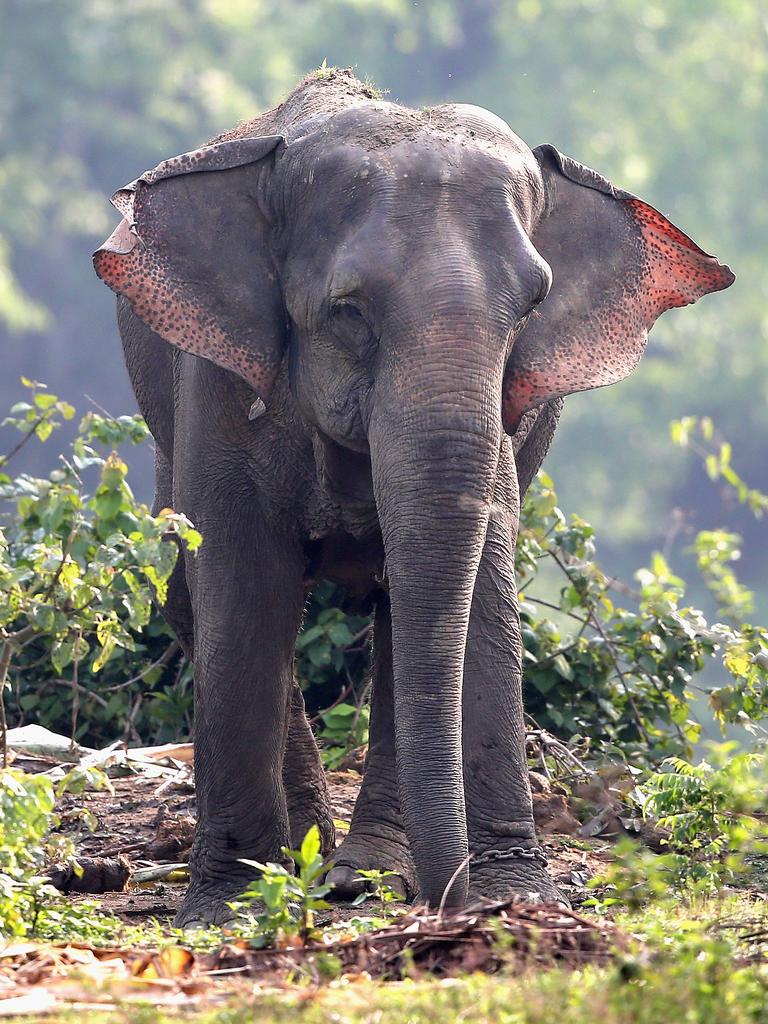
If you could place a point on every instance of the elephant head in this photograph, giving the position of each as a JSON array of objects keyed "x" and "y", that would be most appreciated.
[{"x": 426, "y": 278}]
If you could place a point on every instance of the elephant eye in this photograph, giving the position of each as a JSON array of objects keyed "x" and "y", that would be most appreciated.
[{"x": 350, "y": 326}]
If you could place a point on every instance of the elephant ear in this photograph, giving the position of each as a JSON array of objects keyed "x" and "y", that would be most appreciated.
[
  {"x": 617, "y": 265},
  {"x": 191, "y": 258}
]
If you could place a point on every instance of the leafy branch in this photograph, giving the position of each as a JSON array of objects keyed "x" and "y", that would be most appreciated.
[
  {"x": 78, "y": 570},
  {"x": 623, "y": 678}
]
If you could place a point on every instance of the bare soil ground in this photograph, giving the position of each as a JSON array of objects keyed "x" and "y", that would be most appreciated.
[{"x": 151, "y": 823}]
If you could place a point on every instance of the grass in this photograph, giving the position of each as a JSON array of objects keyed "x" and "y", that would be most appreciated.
[
  {"x": 681, "y": 972},
  {"x": 695, "y": 992}
]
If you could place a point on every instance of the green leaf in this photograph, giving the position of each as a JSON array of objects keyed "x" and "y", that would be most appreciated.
[
  {"x": 45, "y": 401},
  {"x": 563, "y": 667},
  {"x": 44, "y": 616},
  {"x": 340, "y": 634},
  {"x": 108, "y": 647},
  {"x": 61, "y": 655},
  {"x": 310, "y": 846}
]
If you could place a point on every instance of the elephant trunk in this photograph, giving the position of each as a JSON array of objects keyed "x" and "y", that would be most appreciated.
[{"x": 434, "y": 453}]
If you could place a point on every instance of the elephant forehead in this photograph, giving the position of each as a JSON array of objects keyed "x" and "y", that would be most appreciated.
[
  {"x": 346, "y": 185},
  {"x": 449, "y": 144},
  {"x": 439, "y": 158}
]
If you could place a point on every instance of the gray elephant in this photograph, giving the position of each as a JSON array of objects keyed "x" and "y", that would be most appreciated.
[{"x": 389, "y": 305}]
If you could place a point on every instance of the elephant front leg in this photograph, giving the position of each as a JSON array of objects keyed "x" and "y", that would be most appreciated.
[
  {"x": 506, "y": 857},
  {"x": 376, "y": 838},
  {"x": 247, "y": 598}
]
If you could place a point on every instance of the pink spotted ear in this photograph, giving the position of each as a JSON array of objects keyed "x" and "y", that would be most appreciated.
[
  {"x": 191, "y": 257},
  {"x": 617, "y": 265}
]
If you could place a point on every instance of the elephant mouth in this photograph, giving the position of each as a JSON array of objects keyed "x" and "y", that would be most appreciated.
[{"x": 345, "y": 474}]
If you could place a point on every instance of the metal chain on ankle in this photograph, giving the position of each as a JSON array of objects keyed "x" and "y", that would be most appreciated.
[{"x": 513, "y": 853}]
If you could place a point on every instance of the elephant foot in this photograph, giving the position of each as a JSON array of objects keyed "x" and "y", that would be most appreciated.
[
  {"x": 204, "y": 907},
  {"x": 346, "y": 884},
  {"x": 358, "y": 853},
  {"x": 207, "y": 902},
  {"x": 499, "y": 879}
]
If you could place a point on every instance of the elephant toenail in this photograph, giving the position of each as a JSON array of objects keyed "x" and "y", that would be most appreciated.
[{"x": 345, "y": 882}]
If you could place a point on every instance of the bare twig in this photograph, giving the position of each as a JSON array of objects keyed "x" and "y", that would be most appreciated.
[
  {"x": 680, "y": 734},
  {"x": 625, "y": 686},
  {"x": 339, "y": 700},
  {"x": 75, "y": 692},
  {"x": 361, "y": 699},
  {"x": 364, "y": 632},
  {"x": 113, "y": 851},
  {"x": 9, "y": 639},
  {"x": 562, "y": 650},
  {"x": 449, "y": 886},
  {"x": 167, "y": 656},
  {"x": 129, "y": 726},
  {"x": 101, "y": 408},
  {"x": 597, "y": 625},
  {"x": 5, "y": 459},
  {"x": 83, "y": 690},
  {"x": 555, "y": 608},
  {"x": 546, "y": 743}
]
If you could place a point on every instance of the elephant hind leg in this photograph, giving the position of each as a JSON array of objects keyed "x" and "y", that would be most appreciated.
[
  {"x": 304, "y": 780},
  {"x": 376, "y": 838}
]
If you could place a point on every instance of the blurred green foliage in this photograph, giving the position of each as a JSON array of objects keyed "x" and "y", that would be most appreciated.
[{"x": 666, "y": 97}]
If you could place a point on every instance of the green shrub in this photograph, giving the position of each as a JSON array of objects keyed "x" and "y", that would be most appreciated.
[
  {"x": 333, "y": 648},
  {"x": 29, "y": 842},
  {"x": 716, "y": 814},
  {"x": 619, "y": 675},
  {"x": 80, "y": 560},
  {"x": 712, "y": 818},
  {"x": 344, "y": 728}
]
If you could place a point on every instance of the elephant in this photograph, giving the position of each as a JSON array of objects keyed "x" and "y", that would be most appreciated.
[{"x": 350, "y": 326}]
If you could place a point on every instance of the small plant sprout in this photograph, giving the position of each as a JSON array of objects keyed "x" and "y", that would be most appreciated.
[
  {"x": 379, "y": 889},
  {"x": 289, "y": 900}
]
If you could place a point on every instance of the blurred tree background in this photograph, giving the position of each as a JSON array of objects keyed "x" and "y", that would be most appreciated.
[{"x": 665, "y": 97}]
